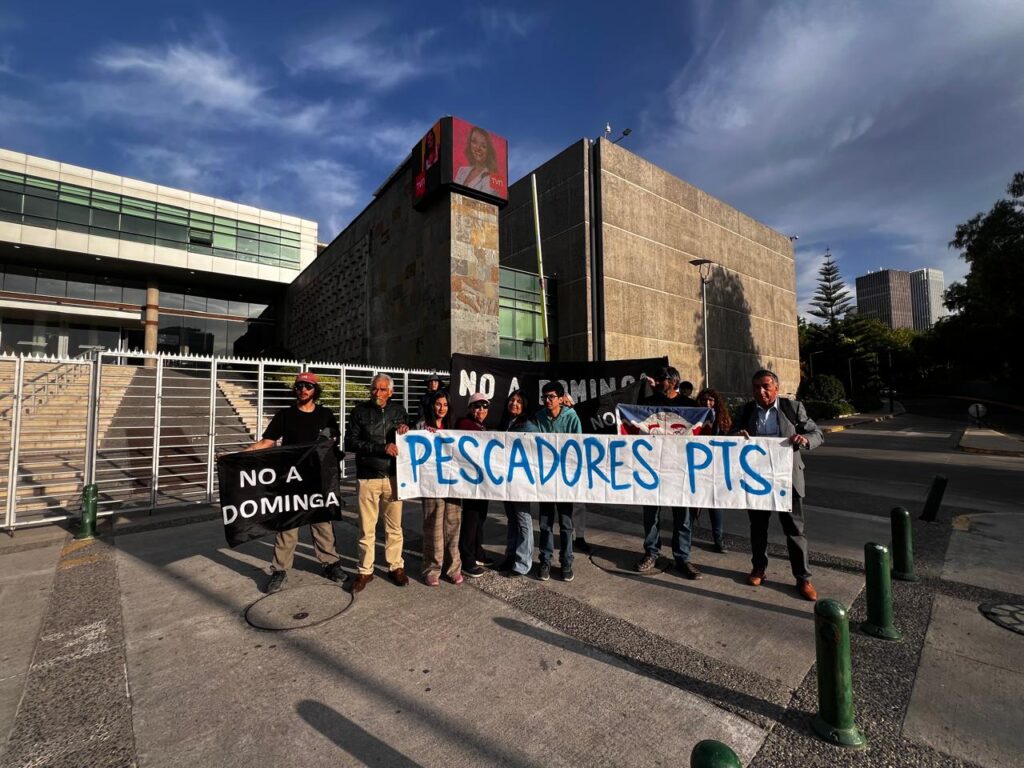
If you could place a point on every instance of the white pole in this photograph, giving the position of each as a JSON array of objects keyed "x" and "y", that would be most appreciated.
[{"x": 540, "y": 269}]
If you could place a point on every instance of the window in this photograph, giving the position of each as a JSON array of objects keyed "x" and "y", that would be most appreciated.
[
  {"x": 136, "y": 225},
  {"x": 104, "y": 220},
  {"x": 107, "y": 291},
  {"x": 81, "y": 287},
  {"x": 134, "y": 293},
  {"x": 40, "y": 207},
  {"x": 176, "y": 233},
  {"x": 51, "y": 283},
  {"x": 72, "y": 213},
  {"x": 200, "y": 237},
  {"x": 20, "y": 280},
  {"x": 10, "y": 201}
]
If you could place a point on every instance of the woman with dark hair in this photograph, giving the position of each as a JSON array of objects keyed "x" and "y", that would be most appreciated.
[
  {"x": 720, "y": 425},
  {"x": 519, "y": 542},
  {"x": 442, "y": 518},
  {"x": 483, "y": 161},
  {"x": 474, "y": 511}
]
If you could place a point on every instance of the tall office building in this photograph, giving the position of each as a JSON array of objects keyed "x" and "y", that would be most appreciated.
[
  {"x": 926, "y": 288},
  {"x": 886, "y": 295}
]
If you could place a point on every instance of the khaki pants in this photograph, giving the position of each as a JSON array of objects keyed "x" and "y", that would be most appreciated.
[
  {"x": 441, "y": 521},
  {"x": 378, "y": 495},
  {"x": 323, "y": 545}
]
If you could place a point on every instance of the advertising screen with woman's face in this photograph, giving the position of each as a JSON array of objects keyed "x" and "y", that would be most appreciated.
[{"x": 479, "y": 159}]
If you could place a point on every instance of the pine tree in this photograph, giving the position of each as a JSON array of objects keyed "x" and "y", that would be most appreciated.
[{"x": 831, "y": 299}]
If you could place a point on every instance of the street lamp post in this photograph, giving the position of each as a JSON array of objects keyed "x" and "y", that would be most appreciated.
[{"x": 704, "y": 268}]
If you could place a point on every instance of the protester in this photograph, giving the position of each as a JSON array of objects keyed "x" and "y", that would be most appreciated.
[
  {"x": 720, "y": 425},
  {"x": 370, "y": 434},
  {"x": 305, "y": 421},
  {"x": 441, "y": 517},
  {"x": 555, "y": 418},
  {"x": 579, "y": 511},
  {"x": 474, "y": 511},
  {"x": 666, "y": 393},
  {"x": 434, "y": 384},
  {"x": 519, "y": 541},
  {"x": 686, "y": 393},
  {"x": 770, "y": 415}
]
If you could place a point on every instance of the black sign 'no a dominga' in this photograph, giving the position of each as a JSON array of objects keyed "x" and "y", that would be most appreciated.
[{"x": 277, "y": 489}]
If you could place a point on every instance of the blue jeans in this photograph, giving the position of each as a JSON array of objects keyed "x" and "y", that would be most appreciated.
[
  {"x": 547, "y": 532},
  {"x": 519, "y": 541},
  {"x": 681, "y": 533},
  {"x": 717, "y": 522}
]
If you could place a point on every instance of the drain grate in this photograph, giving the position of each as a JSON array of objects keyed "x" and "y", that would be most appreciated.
[{"x": 1007, "y": 615}]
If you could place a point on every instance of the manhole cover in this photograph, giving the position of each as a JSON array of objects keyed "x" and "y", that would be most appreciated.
[
  {"x": 1007, "y": 615},
  {"x": 298, "y": 607}
]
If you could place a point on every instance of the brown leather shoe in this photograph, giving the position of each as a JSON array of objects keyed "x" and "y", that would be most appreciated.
[
  {"x": 756, "y": 578},
  {"x": 806, "y": 590},
  {"x": 398, "y": 576},
  {"x": 360, "y": 581}
]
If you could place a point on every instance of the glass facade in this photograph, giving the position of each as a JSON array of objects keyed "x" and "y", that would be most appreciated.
[
  {"x": 521, "y": 329},
  {"x": 40, "y": 202}
]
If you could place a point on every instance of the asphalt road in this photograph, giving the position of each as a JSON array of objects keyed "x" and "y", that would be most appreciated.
[{"x": 877, "y": 466}]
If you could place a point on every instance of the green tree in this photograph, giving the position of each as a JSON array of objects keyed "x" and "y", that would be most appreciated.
[
  {"x": 831, "y": 300},
  {"x": 988, "y": 307}
]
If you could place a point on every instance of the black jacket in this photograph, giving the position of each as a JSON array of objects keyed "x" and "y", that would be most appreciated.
[{"x": 370, "y": 428}]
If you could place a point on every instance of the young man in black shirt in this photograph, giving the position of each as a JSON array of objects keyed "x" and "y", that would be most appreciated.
[{"x": 304, "y": 422}]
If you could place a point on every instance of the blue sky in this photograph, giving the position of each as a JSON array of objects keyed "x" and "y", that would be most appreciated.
[{"x": 870, "y": 128}]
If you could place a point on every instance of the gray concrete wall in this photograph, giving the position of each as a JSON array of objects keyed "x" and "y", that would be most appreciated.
[
  {"x": 653, "y": 224},
  {"x": 562, "y": 192},
  {"x": 401, "y": 287}
]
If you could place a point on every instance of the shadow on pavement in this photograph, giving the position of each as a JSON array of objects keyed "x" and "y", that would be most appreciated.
[{"x": 360, "y": 744}]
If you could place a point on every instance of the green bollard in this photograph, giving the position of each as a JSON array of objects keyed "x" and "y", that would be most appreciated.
[
  {"x": 87, "y": 528},
  {"x": 902, "y": 545},
  {"x": 834, "y": 722},
  {"x": 713, "y": 754},
  {"x": 879, "y": 594}
]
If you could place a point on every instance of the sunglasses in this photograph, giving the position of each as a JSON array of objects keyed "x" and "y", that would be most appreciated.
[
  {"x": 474, "y": 406},
  {"x": 304, "y": 385}
]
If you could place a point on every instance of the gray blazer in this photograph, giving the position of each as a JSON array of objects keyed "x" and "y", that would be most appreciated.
[{"x": 805, "y": 426}]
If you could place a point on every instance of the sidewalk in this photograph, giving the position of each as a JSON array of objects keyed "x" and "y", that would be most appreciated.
[
  {"x": 859, "y": 419},
  {"x": 991, "y": 442}
]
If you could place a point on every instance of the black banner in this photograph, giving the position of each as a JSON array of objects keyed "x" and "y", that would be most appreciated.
[
  {"x": 597, "y": 415},
  {"x": 277, "y": 489},
  {"x": 497, "y": 377}
]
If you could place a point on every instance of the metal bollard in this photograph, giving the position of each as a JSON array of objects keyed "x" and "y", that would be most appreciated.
[
  {"x": 834, "y": 722},
  {"x": 87, "y": 527},
  {"x": 934, "y": 500},
  {"x": 713, "y": 754},
  {"x": 902, "y": 545},
  {"x": 878, "y": 585}
]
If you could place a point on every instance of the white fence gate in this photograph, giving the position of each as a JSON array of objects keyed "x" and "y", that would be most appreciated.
[{"x": 146, "y": 427}]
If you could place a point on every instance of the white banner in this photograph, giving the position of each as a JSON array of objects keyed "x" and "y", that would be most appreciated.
[{"x": 666, "y": 470}]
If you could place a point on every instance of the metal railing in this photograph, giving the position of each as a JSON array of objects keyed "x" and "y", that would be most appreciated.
[{"x": 146, "y": 427}]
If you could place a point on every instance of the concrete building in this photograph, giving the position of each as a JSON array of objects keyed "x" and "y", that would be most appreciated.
[
  {"x": 886, "y": 295},
  {"x": 89, "y": 260},
  {"x": 926, "y": 288}
]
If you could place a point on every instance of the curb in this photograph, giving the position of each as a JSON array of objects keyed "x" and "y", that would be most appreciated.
[
  {"x": 985, "y": 451},
  {"x": 859, "y": 422}
]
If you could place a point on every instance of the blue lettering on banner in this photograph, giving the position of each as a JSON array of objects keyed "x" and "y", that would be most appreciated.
[
  {"x": 518, "y": 459},
  {"x": 465, "y": 454},
  {"x": 579, "y": 463},
  {"x": 653, "y": 483},
  {"x": 491, "y": 445},
  {"x": 691, "y": 466},
  {"x": 440, "y": 458},
  {"x": 725, "y": 445},
  {"x": 765, "y": 486},
  {"x": 543, "y": 444},
  {"x": 416, "y": 460},
  {"x": 614, "y": 446},
  {"x": 593, "y": 446}
]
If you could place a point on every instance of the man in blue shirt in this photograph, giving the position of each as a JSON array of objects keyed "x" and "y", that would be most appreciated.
[{"x": 555, "y": 418}]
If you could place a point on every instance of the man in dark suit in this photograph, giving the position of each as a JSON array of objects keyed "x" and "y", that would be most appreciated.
[{"x": 770, "y": 415}]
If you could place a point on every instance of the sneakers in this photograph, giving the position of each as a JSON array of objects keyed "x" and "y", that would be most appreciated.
[
  {"x": 720, "y": 546},
  {"x": 485, "y": 561},
  {"x": 277, "y": 579},
  {"x": 457, "y": 578},
  {"x": 474, "y": 572},
  {"x": 688, "y": 570},
  {"x": 580, "y": 545},
  {"x": 432, "y": 580},
  {"x": 513, "y": 574},
  {"x": 806, "y": 590},
  {"x": 398, "y": 577},
  {"x": 544, "y": 571},
  {"x": 756, "y": 578},
  {"x": 334, "y": 572},
  {"x": 647, "y": 564},
  {"x": 567, "y": 574}
]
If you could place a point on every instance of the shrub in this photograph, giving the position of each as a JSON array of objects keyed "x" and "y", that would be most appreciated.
[
  {"x": 821, "y": 409},
  {"x": 826, "y": 389}
]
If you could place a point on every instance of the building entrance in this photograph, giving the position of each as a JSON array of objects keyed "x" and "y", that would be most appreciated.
[{"x": 60, "y": 338}]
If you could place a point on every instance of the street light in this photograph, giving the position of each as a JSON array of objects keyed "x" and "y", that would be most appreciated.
[{"x": 704, "y": 268}]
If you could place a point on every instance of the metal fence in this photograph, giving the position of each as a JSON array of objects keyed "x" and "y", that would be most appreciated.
[{"x": 146, "y": 428}]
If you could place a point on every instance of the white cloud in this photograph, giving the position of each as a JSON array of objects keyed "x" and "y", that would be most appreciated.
[
  {"x": 839, "y": 121},
  {"x": 505, "y": 21}
]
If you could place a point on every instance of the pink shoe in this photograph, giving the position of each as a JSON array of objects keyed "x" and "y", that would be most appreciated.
[
  {"x": 432, "y": 580},
  {"x": 457, "y": 578}
]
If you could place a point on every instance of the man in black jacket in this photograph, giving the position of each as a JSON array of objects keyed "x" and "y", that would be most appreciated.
[
  {"x": 370, "y": 434},
  {"x": 304, "y": 422}
]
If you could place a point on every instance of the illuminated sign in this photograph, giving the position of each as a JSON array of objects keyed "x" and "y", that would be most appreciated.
[{"x": 461, "y": 156}]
